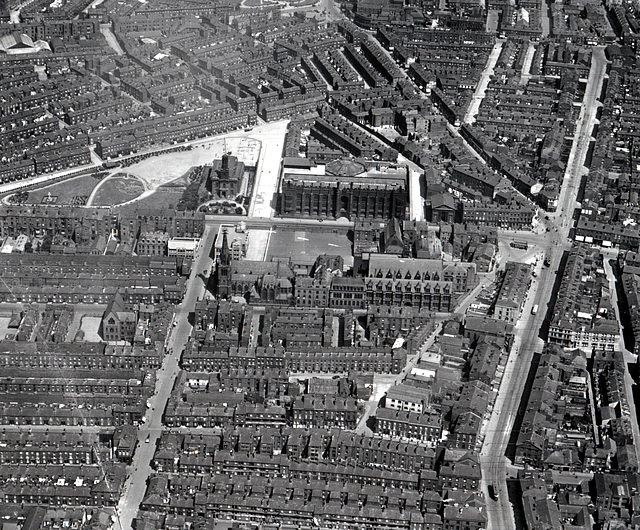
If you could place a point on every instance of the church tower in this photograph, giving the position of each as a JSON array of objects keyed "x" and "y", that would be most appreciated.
[{"x": 224, "y": 266}]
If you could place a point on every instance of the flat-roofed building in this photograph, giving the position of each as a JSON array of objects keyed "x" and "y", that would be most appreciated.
[
  {"x": 408, "y": 398},
  {"x": 183, "y": 246}
]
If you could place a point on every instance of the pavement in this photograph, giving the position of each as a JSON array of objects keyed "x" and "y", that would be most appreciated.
[
  {"x": 136, "y": 483},
  {"x": 483, "y": 83},
  {"x": 545, "y": 18},
  {"x": 268, "y": 170},
  {"x": 493, "y": 461},
  {"x": 525, "y": 74},
  {"x": 416, "y": 202},
  {"x": 105, "y": 29}
]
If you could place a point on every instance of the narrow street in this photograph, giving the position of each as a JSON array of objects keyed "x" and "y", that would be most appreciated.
[
  {"x": 483, "y": 83},
  {"x": 105, "y": 29},
  {"x": 545, "y": 19},
  {"x": 582, "y": 137},
  {"x": 382, "y": 382},
  {"x": 456, "y": 132},
  {"x": 525, "y": 73},
  {"x": 151, "y": 430}
]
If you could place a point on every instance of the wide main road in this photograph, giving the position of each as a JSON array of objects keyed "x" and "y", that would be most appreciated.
[
  {"x": 493, "y": 461},
  {"x": 498, "y": 430},
  {"x": 135, "y": 485}
]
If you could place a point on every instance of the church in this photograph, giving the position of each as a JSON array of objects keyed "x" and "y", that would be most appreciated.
[
  {"x": 224, "y": 178},
  {"x": 269, "y": 282}
]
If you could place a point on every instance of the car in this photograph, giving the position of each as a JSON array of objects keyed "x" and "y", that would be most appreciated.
[{"x": 147, "y": 440}]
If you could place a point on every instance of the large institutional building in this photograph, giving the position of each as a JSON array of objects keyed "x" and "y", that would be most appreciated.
[{"x": 346, "y": 188}]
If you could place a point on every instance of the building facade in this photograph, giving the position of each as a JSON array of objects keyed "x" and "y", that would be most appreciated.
[{"x": 346, "y": 191}]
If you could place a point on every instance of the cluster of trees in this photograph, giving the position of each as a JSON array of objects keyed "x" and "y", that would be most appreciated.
[
  {"x": 190, "y": 197},
  {"x": 18, "y": 198},
  {"x": 195, "y": 192}
]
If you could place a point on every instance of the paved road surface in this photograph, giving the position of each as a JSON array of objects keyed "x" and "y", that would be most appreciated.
[
  {"x": 135, "y": 485},
  {"x": 582, "y": 136},
  {"x": 492, "y": 458},
  {"x": 105, "y": 29},
  {"x": 416, "y": 202},
  {"x": 481, "y": 87},
  {"x": 545, "y": 18},
  {"x": 268, "y": 171},
  {"x": 525, "y": 73}
]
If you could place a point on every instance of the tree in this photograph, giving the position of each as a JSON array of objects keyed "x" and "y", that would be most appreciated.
[
  {"x": 46, "y": 243},
  {"x": 189, "y": 199}
]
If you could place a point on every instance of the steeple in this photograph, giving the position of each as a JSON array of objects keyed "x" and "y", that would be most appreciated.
[
  {"x": 224, "y": 262},
  {"x": 225, "y": 254}
]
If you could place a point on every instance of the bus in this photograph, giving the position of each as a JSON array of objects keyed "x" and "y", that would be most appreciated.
[
  {"x": 534, "y": 309},
  {"x": 492, "y": 492},
  {"x": 519, "y": 244}
]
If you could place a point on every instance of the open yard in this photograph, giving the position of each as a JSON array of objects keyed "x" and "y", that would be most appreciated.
[
  {"x": 164, "y": 177},
  {"x": 74, "y": 191},
  {"x": 85, "y": 323},
  {"x": 90, "y": 327},
  {"x": 4, "y": 327},
  {"x": 117, "y": 189},
  {"x": 163, "y": 169},
  {"x": 305, "y": 247}
]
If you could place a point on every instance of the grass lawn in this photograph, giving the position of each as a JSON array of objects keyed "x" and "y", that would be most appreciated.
[
  {"x": 164, "y": 198},
  {"x": 65, "y": 192},
  {"x": 118, "y": 189}
]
